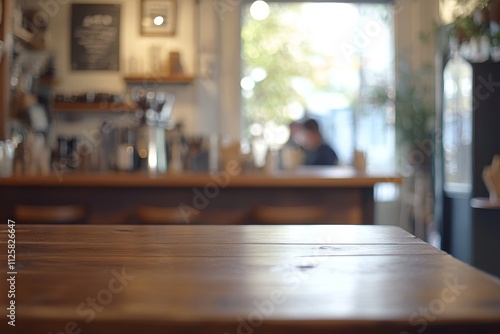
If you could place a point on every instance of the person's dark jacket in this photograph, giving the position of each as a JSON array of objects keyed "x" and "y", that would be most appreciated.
[{"x": 324, "y": 155}]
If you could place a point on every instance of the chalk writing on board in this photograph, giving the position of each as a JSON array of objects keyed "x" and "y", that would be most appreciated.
[{"x": 95, "y": 37}]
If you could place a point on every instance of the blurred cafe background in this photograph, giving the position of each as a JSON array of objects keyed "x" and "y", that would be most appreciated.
[{"x": 132, "y": 111}]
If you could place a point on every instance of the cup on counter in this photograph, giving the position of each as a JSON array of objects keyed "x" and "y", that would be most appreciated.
[
  {"x": 125, "y": 150},
  {"x": 230, "y": 152},
  {"x": 359, "y": 161},
  {"x": 7, "y": 149},
  {"x": 291, "y": 157},
  {"x": 213, "y": 153},
  {"x": 36, "y": 154}
]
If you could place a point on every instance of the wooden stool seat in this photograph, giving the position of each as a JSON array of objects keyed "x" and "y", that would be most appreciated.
[
  {"x": 289, "y": 214},
  {"x": 225, "y": 216},
  {"x": 163, "y": 215},
  {"x": 59, "y": 214}
]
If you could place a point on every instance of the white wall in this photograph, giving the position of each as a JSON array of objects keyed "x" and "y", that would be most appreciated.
[
  {"x": 414, "y": 18},
  {"x": 217, "y": 30},
  {"x": 132, "y": 44}
]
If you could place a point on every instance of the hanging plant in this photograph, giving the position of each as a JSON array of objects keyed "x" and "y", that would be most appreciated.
[
  {"x": 464, "y": 28},
  {"x": 476, "y": 28}
]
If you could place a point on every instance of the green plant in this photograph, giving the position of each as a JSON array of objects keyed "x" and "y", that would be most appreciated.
[
  {"x": 413, "y": 103},
  {"x": 468, "y": 7},
  {"x": 471, "y": 20},
  {"x": 276, "y": 46},
  {"x": 464, "y": 27}
]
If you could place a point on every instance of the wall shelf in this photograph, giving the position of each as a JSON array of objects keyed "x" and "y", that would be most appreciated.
[
  {"x": 485, "y": 203},
  {"x": 160, "y": 78},
  {"x": 94, "y": 107}
]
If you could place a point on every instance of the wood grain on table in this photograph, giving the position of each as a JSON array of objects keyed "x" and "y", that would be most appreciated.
[{"x": 243, "y": 279}]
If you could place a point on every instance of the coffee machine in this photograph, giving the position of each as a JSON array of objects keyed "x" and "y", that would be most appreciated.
[{"x": 155, "y": 115}]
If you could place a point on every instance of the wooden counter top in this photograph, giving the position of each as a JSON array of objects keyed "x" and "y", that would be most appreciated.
[
  {"x": 242, "y": 279},
  {"x": 323, "y": 178}
]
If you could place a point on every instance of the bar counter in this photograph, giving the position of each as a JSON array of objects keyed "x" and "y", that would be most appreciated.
[
  {"x": 113, "y": 198},
  {"x": 310, "y": 177}
]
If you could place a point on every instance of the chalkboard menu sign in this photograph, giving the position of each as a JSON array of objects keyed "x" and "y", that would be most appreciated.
[{"x": 95, "y": 37}]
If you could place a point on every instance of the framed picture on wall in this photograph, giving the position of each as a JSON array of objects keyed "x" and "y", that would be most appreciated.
[
  {"x": 95, "y": 37},
  {"x": 158, "y": 17}
]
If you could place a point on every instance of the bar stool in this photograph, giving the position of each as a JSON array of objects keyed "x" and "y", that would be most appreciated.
[
  {"x": 224, "y": 216},
  {"x": 289, "y": 215},
  {"x": 164, "y": 215},
  {"x": 50, "y": 214}
]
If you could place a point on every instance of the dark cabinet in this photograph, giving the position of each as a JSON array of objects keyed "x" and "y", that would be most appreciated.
[{"x": 470, "y": 137}]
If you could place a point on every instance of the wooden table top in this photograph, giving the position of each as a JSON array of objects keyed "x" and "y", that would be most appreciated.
[
  {"x": 242, "y": 279},
  {"x": 340, "y": 177}
]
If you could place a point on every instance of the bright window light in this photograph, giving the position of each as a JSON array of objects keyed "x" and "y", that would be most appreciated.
[
  {"x": 325, "y": 61},
  {"x": 259, "y": 10}
]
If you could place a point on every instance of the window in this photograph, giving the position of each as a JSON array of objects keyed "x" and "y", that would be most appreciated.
[{"x": 329, "y": 61}]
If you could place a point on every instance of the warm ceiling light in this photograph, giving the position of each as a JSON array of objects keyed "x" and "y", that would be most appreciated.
[{"x": 158, "y": 21}]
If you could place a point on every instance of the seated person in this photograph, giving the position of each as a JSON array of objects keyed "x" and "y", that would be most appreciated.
[{"x": 318, "y": 153}]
